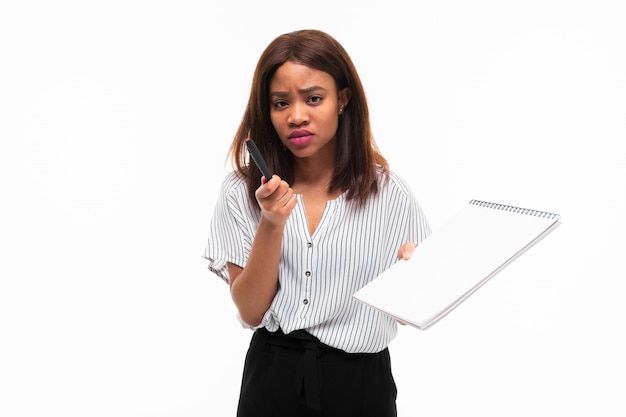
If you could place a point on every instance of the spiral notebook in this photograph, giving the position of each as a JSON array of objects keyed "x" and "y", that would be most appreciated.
[{"x": 456, "y": 260}]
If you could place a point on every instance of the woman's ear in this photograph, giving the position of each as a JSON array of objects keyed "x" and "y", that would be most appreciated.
[{"x": 343, "y": 97}]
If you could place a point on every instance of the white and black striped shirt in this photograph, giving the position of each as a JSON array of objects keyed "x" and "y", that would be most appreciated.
[{"x": 318, "y": 274}]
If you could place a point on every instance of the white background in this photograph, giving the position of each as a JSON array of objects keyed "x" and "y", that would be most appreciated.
[{"x": 115, "y": 118}]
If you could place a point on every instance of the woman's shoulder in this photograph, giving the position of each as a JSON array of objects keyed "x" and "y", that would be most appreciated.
[
  {"x": 393, "y": 182},
  {"x": 234, "y": 183}
]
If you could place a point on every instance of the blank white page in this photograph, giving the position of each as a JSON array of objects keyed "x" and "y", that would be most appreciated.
[{"x": 455, "y": 260}]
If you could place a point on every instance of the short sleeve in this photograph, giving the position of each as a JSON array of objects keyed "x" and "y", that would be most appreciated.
[
  {"x": 231, "y": 228},
  {"x": 417, "y": 226}
]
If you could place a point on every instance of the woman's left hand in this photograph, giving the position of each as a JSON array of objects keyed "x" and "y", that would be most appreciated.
[{"x": 406, "y": 250}]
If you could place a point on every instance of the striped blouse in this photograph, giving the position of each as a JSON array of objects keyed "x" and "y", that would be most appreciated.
[{"x": 319, "y": 273}]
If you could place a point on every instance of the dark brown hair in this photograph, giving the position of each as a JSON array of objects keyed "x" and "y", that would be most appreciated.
[{"x": 357, "y": 158}]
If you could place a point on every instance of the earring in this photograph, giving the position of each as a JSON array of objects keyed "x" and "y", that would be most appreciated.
[{"x": 341, "y": 110}]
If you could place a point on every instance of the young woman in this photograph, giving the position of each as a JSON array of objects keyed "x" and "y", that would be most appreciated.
[{"x": 296, "y": 246}]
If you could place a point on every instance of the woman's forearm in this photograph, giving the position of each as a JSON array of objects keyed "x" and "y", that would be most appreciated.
[{"x": 254, "y": 288}]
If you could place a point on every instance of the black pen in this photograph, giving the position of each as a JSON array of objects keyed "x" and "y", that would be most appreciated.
[{"x": 258, "y": 159}]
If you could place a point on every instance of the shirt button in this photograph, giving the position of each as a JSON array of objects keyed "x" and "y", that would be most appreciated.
[
  {"x": 305, "y": 301},
  {"x": 307, "y": 273},
  {"x": 309, "y": 244}
]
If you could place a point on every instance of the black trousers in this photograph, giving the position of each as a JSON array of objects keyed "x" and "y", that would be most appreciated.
[{"x": 296, "y": 375}]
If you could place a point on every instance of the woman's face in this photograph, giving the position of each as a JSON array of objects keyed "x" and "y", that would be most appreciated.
[{"x": 305, "y": 108}]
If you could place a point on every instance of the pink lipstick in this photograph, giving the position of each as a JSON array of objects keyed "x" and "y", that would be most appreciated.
[{"x": 300, "y": 137}]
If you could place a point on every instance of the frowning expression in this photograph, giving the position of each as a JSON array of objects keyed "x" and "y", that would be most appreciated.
[{"x": 305, "y": 107}]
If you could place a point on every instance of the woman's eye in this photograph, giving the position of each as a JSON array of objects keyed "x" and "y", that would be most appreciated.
[
  {"x": 280, "y": 104},
  {"x": 315, "y": 99}
]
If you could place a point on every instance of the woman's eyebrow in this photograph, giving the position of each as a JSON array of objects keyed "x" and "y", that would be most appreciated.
[
  {"x": 303, "y": 91},
  {"x": 311, "y": 89}
]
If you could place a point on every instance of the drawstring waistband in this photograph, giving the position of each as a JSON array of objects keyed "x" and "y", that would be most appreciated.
[{"x": 307, "y": 380}]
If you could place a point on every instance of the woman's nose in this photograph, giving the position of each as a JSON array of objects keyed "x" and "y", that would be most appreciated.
[{"x": 298, "y": 114}]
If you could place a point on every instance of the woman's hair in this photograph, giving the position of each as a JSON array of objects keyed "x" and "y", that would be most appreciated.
[{"x": 357, "y": 157}]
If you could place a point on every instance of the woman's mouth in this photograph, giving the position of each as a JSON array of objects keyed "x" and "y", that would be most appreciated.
[{"x": 300, "y": 137}]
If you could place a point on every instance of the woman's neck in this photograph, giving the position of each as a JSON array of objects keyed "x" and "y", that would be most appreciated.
[{"x": 314, "y": 177}]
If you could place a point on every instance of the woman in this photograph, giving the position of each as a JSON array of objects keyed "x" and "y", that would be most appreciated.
[{"x": 296, "y": 246}]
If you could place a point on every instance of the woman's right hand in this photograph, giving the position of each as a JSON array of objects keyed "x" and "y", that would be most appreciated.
[
  {"x": 254, "y": 286},
  {"x": 276, "y": 200}
]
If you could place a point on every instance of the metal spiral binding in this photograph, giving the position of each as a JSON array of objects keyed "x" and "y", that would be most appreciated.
[{"x": 514, "y": 209}]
